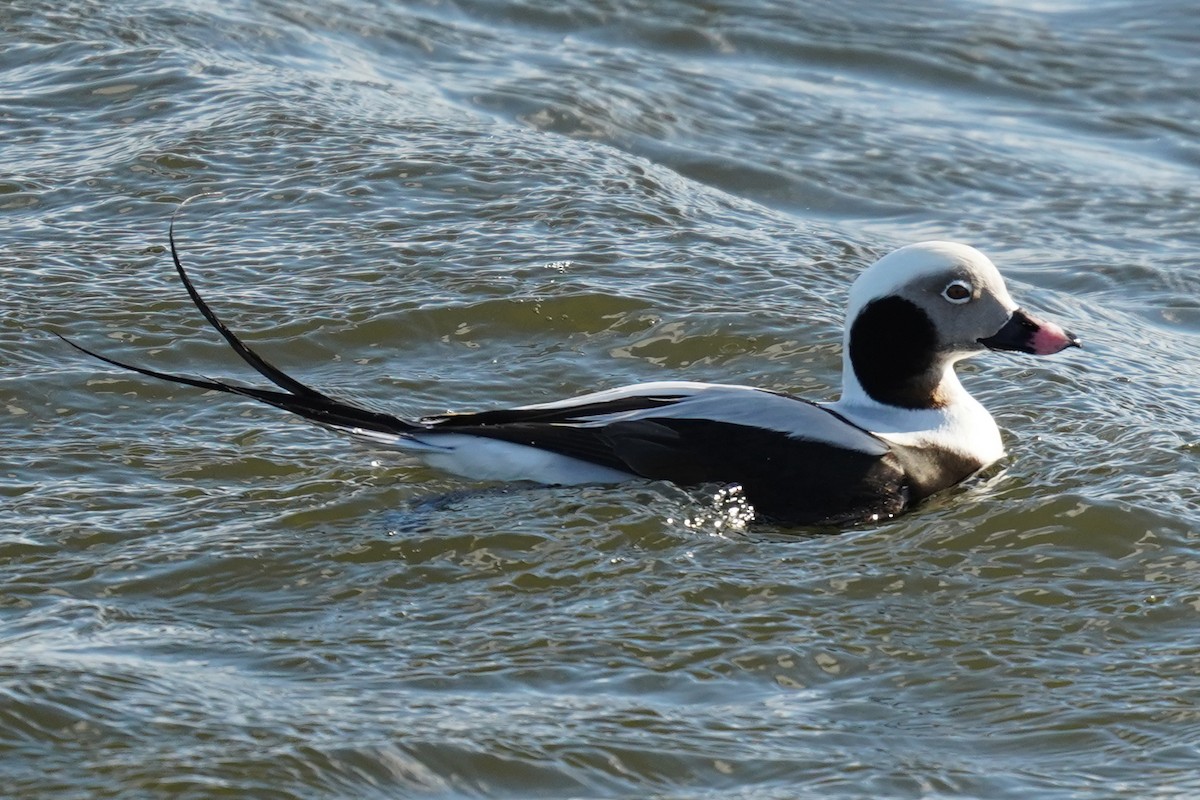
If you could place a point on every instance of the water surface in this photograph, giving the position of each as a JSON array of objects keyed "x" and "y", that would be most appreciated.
[{"x": 460, "y": 205}]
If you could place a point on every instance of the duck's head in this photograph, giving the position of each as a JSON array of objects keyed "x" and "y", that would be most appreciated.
[{"x": 917, "y": 310}]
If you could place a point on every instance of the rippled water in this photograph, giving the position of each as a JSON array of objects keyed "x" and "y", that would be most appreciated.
[{"x": 457, "y": 205}]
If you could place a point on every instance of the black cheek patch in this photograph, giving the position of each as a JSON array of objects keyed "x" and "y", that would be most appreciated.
[{"x": 892, "y": 348}]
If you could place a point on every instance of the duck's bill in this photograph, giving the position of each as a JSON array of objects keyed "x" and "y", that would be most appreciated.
[{"x": 1024, "y": 333}]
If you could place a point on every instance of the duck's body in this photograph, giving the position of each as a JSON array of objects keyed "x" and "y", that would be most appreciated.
[
  {"x": 903, "y": 428},
  {"x": 795, "y": 460}
]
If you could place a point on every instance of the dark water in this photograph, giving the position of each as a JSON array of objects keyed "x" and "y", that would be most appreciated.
[{"x": 472, "y": 204}]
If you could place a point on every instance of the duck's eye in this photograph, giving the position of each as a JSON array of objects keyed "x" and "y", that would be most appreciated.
[{"x": 957, "y": 292}]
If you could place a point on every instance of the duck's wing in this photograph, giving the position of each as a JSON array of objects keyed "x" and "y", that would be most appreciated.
[
  {"x": 794, "y": 459},
  {"x": 673, "y": 405}
]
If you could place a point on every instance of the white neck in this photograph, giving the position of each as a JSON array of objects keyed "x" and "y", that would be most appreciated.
[{"x": 960, "y": 424}]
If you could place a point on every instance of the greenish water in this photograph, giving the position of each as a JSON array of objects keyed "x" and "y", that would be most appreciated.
[{"x": 463, "y": 205}]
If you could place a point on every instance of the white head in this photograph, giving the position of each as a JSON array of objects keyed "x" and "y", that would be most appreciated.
[{"x": 917, "y": 311}]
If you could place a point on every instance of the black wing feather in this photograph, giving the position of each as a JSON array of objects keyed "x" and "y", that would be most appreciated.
[
  {"x": 783, "y": 477},
  {"x": 549, "y": 415}
]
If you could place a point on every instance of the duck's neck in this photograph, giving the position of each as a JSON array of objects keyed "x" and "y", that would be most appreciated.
[{"x": 959, "y": 422}]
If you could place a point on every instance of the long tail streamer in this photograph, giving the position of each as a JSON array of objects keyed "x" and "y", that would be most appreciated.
[{"x": 296, "y": 397}]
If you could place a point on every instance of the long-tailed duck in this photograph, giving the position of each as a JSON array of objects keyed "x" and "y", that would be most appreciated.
[{"x": 903, "y": 429}]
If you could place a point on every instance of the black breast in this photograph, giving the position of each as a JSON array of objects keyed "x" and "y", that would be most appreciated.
[{"x": 928, "y": 471}]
